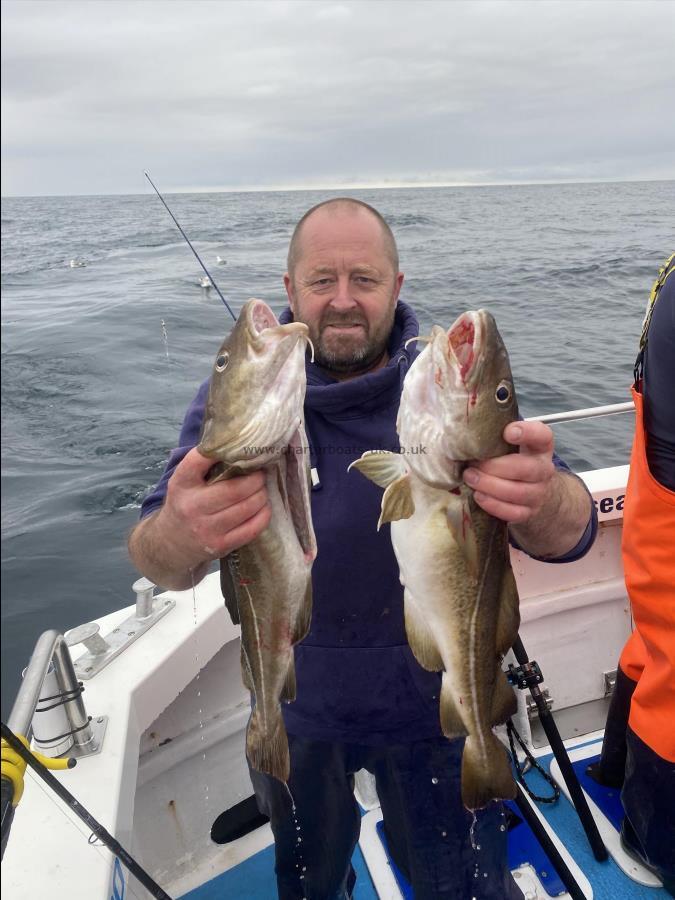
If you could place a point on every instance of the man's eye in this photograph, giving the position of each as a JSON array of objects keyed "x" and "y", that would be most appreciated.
[{"x": 321, "y": 282}]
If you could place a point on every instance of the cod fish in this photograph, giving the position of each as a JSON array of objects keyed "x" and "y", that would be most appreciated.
[
  {"x": 254, "y": 420},
  {"x": 460, "y": 596}
]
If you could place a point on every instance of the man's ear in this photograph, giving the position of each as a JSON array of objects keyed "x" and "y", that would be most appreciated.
[
  {"x": 288, "y": 284},
  {"x": 398, "y": 284}
]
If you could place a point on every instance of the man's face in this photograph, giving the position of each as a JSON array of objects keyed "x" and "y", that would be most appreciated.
[{"x": 345, "y": 289}]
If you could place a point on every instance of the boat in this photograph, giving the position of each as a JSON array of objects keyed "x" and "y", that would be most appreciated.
[{"x": 161, "y": 761}]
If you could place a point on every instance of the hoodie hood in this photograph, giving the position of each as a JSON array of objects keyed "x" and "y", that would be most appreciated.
[{"x": 365, "y": 393}]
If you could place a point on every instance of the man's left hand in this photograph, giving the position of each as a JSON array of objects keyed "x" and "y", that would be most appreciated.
[{"x": 516, "y": 487}]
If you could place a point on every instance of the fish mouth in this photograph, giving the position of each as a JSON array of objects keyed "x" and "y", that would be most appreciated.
[
  {"x": 465, "y": 341},
  {"x": 264, "y": 327},
  {"x": 276, "y": 357}
]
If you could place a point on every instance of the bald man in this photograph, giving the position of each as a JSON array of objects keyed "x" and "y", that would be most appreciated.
[{"x": 362, "y": 699}]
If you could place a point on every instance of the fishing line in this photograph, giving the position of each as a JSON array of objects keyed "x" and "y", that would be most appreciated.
[
  {"x": 208, "y": 274},
  {"x": 96, "y": 828},
  {"x": 96, "y": 845},
  {"x": 165, "y": 338}
]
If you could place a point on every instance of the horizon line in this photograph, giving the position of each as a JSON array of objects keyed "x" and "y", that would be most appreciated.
[{"x": 361, "y": 186}]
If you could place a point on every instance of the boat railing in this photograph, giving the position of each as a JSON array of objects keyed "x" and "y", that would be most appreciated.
[
  {"x": 50, "y": 648},
  {"x": 575, "y": 415}
]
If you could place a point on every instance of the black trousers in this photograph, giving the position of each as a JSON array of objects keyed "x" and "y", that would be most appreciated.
[{"x": 316, "y": 822}]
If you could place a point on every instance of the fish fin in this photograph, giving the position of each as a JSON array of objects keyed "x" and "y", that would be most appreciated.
[
  {"x": 228, "y": 566},
  {"x": 397, "y": 502},
  {"x": 508, "y": 617},
  {"x": 452, "y": 723},
  {"x": 289, "y": 690},
  {"x": 298, "y": 489},
  {"x": 486, "y": 775},
  {"x": 460, "y": 524},
  {"x": 381, "y": 466},
  {"x": 504, "y": 700},
  {"x": 246, "y": 676},
  {"x": 304, "y": 616},
  {"x": 420, "y": 637},
  {"x": 268, "y": 752}
]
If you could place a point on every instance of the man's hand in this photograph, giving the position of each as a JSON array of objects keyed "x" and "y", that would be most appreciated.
[
  {"x": 198, "y": 523},
  {"x": 515, "y": 487},
  {"x": 548, "y": 510}
]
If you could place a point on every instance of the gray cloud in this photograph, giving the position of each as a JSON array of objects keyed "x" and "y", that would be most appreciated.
[{"x": 245, "y": 94}]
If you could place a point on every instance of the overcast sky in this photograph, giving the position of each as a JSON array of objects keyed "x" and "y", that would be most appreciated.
[{"x": 211, "y": 94}]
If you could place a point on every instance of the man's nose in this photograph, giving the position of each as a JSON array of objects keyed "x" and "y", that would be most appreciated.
[{"x": 343, "y": 298}]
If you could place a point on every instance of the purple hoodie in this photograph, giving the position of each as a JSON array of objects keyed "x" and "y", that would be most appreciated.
[{"x": 357, "y": 679}]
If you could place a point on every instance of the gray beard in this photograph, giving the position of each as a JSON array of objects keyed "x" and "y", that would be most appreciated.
[{"x": 354, "y": 362}]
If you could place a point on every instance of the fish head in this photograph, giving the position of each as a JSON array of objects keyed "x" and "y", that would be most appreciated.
[
  {"x": 457, "y": 399},
  {"x": 257, "y": 390}
]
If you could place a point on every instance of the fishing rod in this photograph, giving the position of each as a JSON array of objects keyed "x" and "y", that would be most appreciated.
[
  {"x": 571, "y": 884},
  {"x": 96, "y": 828},
  {"x": 529, "y": 675},
  {"x": 187, "y": 240}
]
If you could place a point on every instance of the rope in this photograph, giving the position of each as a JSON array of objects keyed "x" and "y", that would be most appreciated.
[{"x": 512, "y": 732}]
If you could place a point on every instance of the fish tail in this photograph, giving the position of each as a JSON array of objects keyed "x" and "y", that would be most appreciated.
[
  {"x": 268, "y": 752},
  {"x": 486, "y": 772}
]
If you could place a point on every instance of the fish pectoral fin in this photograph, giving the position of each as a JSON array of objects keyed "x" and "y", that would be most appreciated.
[
  {"x": 460, "y": 524},
  {"x": 397, "y": 502},
  {"x": 420, "y": 637},
  {"x": 486, "y": 772},
  {"x": 381, "y": 466},
  {"x": 452, "y": 723},
  {"x": 227, "y": 586},
  {"x": 508, "y": 616},
  {"x": 504, "y": 700}
]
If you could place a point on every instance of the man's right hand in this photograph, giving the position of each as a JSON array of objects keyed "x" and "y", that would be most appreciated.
[{"x": 199, "y": 522}]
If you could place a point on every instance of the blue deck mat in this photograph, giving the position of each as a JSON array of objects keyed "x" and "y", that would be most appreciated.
[
  {"x": 607, "y": 880},
  {"x": 254, "y": 879},
  {"x": 523, "y": 847},
  {"x": 606, "y": 798}
]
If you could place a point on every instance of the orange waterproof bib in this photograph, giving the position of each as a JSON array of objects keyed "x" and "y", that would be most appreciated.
[{"x": 648, "y": 549}]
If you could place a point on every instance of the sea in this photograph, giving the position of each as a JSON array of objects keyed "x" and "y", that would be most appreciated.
[{"x": 101, "y": 358}]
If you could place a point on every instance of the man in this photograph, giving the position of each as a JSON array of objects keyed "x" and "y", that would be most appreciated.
[{"x": 362, "y": 699}]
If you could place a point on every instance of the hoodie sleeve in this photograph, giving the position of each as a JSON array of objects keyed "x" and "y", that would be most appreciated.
[{"x": 189, "y": 438}]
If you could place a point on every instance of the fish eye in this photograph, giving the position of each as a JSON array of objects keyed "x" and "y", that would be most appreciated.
[
  {"x": 503, "y": 392},
  {"x": 222, "y": 361}
]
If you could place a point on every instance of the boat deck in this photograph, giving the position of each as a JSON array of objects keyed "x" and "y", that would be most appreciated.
[{"x": 254, "y": 877}]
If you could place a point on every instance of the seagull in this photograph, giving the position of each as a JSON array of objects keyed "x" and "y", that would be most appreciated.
[
  {"x": 221, "y": 261},
  {"x": 205, "y": 282},
  {"x": 77, "y": 264}
]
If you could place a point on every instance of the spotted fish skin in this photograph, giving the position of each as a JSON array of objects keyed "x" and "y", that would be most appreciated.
[
  {"x": 460, "y": 596},
  {"x": 254, "y": 421}
]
